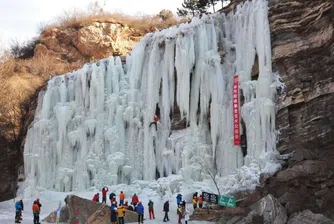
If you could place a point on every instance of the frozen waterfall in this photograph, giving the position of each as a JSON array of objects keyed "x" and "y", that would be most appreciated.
[{"x": 91, "y": 126}]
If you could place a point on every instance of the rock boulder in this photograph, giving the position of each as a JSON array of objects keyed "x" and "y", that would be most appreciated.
[
  {"x": 268, "y": 211},
  {"x": 308, "y": 217},
  {"x": 64, "y": 215}
]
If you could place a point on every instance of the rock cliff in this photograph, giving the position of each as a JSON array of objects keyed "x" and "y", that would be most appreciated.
[
  {"x": 302, "y": 35},
  {"x": 94, "y": 41}
]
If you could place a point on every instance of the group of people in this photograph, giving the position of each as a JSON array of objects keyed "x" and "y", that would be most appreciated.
[
  {"x": 36, "y": 209},
  {"x": 197, "y": 200},
  {"x": 182, "y": 211},
  {"x": 118, "y": 210}
]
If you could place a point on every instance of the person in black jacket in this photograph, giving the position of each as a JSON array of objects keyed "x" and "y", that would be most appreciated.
[{"x": 166, "y": 210}]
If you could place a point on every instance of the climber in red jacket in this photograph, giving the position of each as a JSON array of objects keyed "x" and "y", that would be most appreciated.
[{"x": 155, "y": 122}]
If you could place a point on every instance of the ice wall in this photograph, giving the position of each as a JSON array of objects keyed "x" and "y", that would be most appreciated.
[{"x": 91, "y": 126}]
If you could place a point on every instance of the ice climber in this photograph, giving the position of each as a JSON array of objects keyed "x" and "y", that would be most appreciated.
[
  {"x": 155, "y": 122},
  {"x": 36, "y": 209},
  {"x": 166, "y": 210},
  {"x": 178, "y": 199},
  {"x": 18, "y": 210},
  {"x": 140, "y": 212},
  {"x": 151, "y": 209},
  {"x": 121, "y": 198},
  {"x": 104, "y": 195},
  {"x": 113, "y": 215},
  {"x": 120, "y": 214},
  {"x": 135, "y": 199},
  {"x": 96, "y": 197}
]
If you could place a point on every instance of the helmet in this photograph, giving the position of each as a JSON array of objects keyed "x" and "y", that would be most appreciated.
[
  {"x": 121, "y": 191},
  {"x": 37, "y": 199}
]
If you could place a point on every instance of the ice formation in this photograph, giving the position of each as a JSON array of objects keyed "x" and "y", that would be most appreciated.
[{"x": 91, "y": 126}]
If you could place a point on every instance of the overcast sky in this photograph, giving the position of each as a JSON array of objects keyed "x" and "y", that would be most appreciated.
[{"x": 19, "y": 19}]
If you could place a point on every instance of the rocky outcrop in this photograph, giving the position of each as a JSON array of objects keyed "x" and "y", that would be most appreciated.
[
  {"x": 64, "y": 216},
  {"x": 80, "y": 210},
  {"x": 307, "y": 216},
  {"x": 94, "y": 41},
  {"x": 268, "y": 211},
  {"x": 302, "y": 35}
]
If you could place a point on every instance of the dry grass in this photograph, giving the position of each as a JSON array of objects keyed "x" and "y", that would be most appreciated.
[
  {"x": 143, "y": 24},
  {"x": 19, "y": 80}
]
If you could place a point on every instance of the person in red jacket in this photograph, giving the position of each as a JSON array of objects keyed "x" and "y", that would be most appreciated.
[
  {"x": 155, "y": 122},
  {"x": 96, "y": 197},
  {"x": 135, "y": 200},
  {"x": 104, "y": 194}
]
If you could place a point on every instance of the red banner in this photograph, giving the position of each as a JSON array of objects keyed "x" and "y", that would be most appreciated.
[{"x": 236, "y": 113}]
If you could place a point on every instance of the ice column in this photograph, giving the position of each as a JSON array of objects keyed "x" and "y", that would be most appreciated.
[{"x": 91, "y": 126}]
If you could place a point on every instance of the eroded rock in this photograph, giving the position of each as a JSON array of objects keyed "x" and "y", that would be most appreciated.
[
  {"x": 308, "y": 217},
  {"x": 268, "y": 211}
]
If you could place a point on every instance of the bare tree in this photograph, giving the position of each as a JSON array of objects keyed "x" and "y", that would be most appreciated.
[{"x": 212, "y": 172}]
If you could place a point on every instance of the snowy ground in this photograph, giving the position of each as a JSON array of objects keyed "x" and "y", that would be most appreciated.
[
  {"x": 51, "y": 199},
  {"x": 245, "y": 178}
]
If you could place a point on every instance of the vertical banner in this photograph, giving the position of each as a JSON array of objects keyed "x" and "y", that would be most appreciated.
[{"x": 236, "y": 113}]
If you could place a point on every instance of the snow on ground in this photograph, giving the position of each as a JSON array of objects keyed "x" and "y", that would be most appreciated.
[
  {"x": 50, "y": 203},
  {"x": 166, "y": 188}
]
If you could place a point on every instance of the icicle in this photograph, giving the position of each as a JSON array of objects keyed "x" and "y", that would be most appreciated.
[{"x": 91, "y": 126}]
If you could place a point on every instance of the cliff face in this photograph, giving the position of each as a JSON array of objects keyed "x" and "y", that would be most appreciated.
[
  {"x": 303, "y": 54},
  {"x": 95, "y": 41},
  {"x": 61, "y": 50}
]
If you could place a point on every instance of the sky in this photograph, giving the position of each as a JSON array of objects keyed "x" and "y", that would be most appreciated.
[{"x": 20, "y": 19}]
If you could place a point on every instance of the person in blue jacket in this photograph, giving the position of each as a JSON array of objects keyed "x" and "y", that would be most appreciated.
[
  {"x": 178, "y": 199},
  {"x": 113, "y": 210},
  {"x": 140, "y": 212},
  {"x": 18, "y": 208}
]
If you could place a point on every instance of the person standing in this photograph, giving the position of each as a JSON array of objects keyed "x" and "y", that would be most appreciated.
[
  {"x": 186, "y": 215},
  {"x": 112, "y": 197},
  {"x": 121, "y": 198},
  {"x": 140, "y": 212},
  {"x": 36, "y": 211},
  {"x": 120, "y": 214},
  {"x": 18, "y": 209},
  {"x": 113, "y": 215},
  {"x": 135, "y": 199},
  {"x": 104, "y": 195},
  {"x": 166, "y": 210},
  {"x": 194, "y": 202},
  {"x": 200, "y": 201},
  {"x": 151, "y": 209},
  {"x": 21, "y": 203},
  {"x": 179, "y": 213},
  {"x": 178, "y": 199}
]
